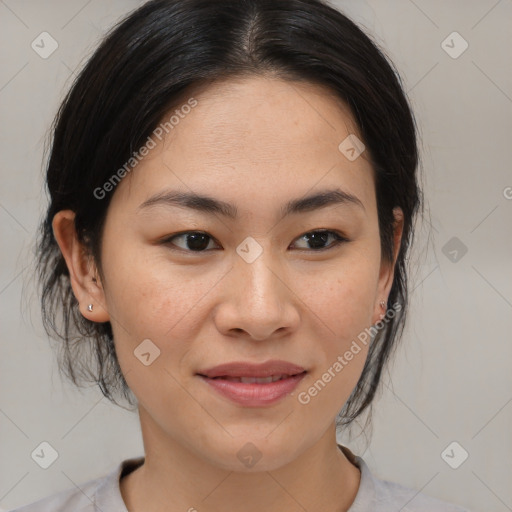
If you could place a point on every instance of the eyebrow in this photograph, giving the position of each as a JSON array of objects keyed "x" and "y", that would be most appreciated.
[{"x": 206, "y": 204}]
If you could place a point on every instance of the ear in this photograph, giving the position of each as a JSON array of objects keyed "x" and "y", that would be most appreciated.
[
  {"x": 81, "y": 269},
  {"x": 387, "y": 269}
]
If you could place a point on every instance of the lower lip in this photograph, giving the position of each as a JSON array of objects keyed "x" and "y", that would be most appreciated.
[{"x": 254, "y": 394}]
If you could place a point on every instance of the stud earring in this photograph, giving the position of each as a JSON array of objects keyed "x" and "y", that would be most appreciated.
[
  {"x": 383, "y": 306},
  {"x": 89, "y": 307}
]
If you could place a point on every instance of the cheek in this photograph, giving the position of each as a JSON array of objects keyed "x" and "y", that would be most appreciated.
[
  {"x": 148, "y": 293},
  {"x": 163, "y": 308},
  {"x": 341, "y": 300},
  {"x": 342, "y": 349},
  {"x": 150, "y": 298},
  {"x": 342, "y": 295}
]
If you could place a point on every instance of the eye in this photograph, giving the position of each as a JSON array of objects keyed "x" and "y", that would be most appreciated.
[
  {"x": 319, "y": 238},
  {"x": 199, "y": 241},
  {"x": 193, "y": 241}
]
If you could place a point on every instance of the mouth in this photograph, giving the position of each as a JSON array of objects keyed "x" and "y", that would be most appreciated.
[
  {"x": 253, "y": 385},
  {"x": 246, "y": 369},
  {"x": 254, "y": 380}
]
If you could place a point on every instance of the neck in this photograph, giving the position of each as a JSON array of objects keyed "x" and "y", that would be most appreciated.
[{"x": 320, "y": 479}]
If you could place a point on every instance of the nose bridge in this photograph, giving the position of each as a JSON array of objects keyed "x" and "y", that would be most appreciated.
[{"x": 256, "y": 270}]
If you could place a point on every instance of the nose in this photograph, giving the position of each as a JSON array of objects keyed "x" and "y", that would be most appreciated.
[{"x": 258, "y": 300}]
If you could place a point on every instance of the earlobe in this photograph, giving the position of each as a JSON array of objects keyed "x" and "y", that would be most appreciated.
[
  {"x": 383, "y": 307},
  {"x": 82, "y": 274},
  {"x": 94, "y": 311},
  {"x": 388, "y": 268}
]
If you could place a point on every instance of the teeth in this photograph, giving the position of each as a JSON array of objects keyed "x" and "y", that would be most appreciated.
[{"x": 255, "y": 380}]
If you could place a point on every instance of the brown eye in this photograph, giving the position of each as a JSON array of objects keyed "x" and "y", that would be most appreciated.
[
  {"x": 318, "y": 240},
  {"x": 191, "y": 241}
]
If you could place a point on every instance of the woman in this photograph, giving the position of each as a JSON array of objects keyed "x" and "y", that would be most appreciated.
[{"x": 233, "y": 191}]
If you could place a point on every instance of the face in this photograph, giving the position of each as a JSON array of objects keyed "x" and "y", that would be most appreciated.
[{"x": 249, "y": 283}]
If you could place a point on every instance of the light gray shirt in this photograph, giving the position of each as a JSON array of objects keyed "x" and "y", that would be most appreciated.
[{"x": 374, "y": 495}]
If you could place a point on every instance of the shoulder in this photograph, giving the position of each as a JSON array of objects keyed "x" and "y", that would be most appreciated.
[
  {"x": 385, "y": 496},
  {"x": 74, "y": 499},
  {"x": 390, "y": 496},
  {"x": 101, "y": 493}
]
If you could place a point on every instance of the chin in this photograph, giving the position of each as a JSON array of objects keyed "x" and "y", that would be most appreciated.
[{"x": 251, "y": 454}]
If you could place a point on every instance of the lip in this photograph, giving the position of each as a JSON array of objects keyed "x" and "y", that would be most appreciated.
[
  {"x": 247, "y": 369},
  {"x": 253, "y": 394}
]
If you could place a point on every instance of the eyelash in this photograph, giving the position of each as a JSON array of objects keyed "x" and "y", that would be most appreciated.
[{"x": 338, "y": 240}]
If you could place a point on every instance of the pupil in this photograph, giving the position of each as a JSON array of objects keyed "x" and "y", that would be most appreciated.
[
  {"x": 196, "y": 241},
  {"x": 317, "y": 239}
]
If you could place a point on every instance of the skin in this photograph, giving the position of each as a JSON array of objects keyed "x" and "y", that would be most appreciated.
[{"x": 256, "y": 143}]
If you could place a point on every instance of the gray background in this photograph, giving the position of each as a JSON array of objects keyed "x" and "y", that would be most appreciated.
[{"x": 451, "y": 380}]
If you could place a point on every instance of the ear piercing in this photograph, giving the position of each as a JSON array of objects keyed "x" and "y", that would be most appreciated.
[
  {"x": 90, "y": 306},
  {"x": 383, "y": 306}
]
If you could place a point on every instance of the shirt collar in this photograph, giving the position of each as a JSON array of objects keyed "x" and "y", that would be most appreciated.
[{"x": 108, "y": 493}]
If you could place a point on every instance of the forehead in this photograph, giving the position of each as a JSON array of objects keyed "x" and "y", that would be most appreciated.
[
  {"x": 262, "y": 115},
  {"x": 252, "y": 135}
]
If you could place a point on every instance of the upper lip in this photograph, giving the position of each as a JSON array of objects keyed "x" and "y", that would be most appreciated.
[{"x": 246, "y": 369}]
